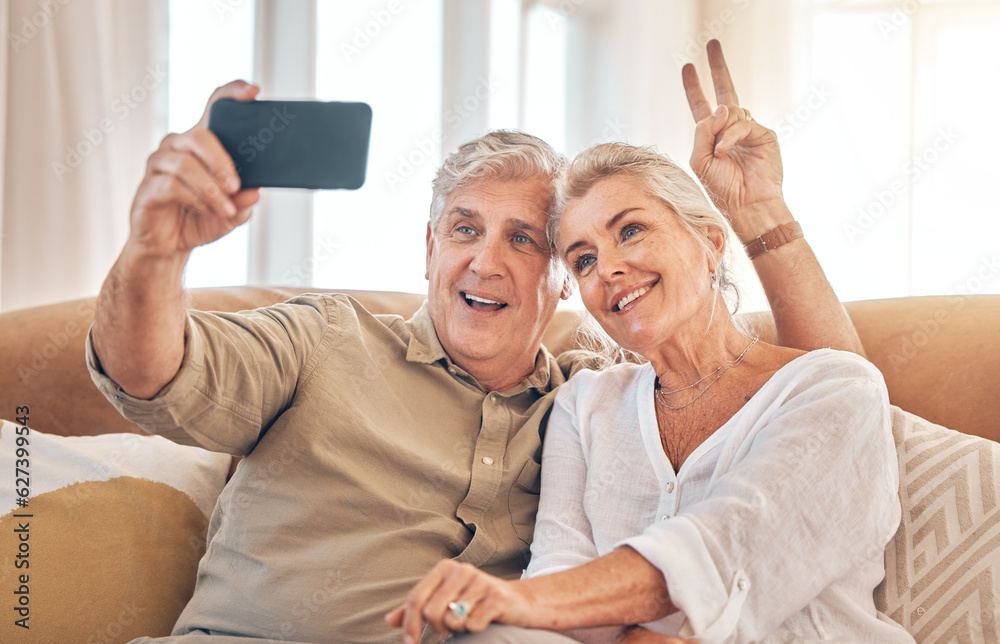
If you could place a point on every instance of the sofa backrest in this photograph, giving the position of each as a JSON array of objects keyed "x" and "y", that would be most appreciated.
[{"x": 940, "y": 355}]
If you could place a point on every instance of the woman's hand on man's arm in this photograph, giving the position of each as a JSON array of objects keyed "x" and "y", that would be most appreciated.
[
  {"x": 619, "y": 588},
  {"x": 479, "y": 598}
]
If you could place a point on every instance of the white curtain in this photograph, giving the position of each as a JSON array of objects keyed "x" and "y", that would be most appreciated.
[{"x": 83, "y": 101}]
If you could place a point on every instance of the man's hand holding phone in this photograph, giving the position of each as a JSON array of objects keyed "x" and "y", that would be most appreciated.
[{"x": 191, "y": 193}]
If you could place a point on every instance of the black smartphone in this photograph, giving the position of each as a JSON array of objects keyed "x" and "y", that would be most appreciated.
[{"x": 295, "y": 144}]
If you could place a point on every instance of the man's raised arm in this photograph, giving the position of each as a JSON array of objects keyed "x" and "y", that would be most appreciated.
[
  {"x": 189, "y": 196},
  {"x": 738, "y": 161}
]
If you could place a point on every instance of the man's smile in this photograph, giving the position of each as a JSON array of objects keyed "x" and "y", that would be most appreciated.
[{"x": 480, "y": 303}]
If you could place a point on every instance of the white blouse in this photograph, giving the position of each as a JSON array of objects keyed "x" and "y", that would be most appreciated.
[{"x": 775, "y": 526}]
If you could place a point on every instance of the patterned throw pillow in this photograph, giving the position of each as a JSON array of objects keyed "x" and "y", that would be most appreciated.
[
  {"x": 100, "y": 536},
  {"x": 943, "y": 566}
]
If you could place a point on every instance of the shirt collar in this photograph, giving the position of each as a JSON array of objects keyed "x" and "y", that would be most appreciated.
[
  {"x": 424, "y": 344},
  {"x": 425, "y": 348},
  {"x": 541, "y": 377}
]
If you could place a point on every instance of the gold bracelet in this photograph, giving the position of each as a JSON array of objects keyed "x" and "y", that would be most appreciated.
[{"x": 772, "y": 239}]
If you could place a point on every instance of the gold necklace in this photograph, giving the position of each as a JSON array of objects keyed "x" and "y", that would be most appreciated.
[{"x": 721, "y": 369}]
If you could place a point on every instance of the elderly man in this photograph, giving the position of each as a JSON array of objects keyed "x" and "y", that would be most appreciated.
[{"x": 376, "y": 446}]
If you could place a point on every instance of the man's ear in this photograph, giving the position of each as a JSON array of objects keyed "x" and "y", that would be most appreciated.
[
  {"x": 568, "y": 287},
  {"x": 430, "y": 251}
]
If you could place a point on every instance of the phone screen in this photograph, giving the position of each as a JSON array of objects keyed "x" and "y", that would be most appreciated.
[{"x": 295, "y": 144}]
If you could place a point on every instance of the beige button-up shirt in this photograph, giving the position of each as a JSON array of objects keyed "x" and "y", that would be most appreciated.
[{"x": 369, "y": 457}]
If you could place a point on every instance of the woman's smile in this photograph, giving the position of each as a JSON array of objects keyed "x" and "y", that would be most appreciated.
[{"x": 623, "y": 300}]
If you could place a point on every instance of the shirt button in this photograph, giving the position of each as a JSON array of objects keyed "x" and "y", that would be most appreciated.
[
  {"x": 670, "y": 486},
  {"x": 742, "y": 583},
  {"x": 664, "y": 517},
  {"x": 487, "y": 460}
]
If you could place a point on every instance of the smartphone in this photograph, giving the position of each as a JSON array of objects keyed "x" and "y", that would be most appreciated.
[{"x": 295, "y": 144}]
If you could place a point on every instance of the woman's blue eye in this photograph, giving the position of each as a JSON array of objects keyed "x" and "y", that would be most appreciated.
[
  {"x": 629, "y": 231},
  {"x": 583, "y": 261}
]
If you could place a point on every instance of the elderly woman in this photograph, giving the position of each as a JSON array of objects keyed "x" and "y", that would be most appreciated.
[{"x": 720, "y": 488}]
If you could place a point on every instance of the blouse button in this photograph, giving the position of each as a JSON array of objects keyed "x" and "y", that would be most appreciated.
[
  {"x": 664, "y": 517},
  {"x": 742, "y": 583},
  {"x": 670, "y": 486},
  {"x": 487, "y": 460}
]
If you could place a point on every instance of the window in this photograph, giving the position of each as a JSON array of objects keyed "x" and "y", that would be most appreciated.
[
  {"x": 211, "y": 43},
  {"x": 373, "y": 238},
  {"x": 387, "y": 54},
  {"x": 545, "y": 75},
  {"x": 890, "y": 153}
]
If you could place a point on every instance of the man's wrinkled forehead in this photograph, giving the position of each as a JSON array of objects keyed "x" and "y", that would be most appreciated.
[{"x": 526, "y": 199}]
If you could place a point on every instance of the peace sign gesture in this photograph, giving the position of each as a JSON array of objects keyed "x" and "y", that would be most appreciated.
[{"x": 736, "y": 158}]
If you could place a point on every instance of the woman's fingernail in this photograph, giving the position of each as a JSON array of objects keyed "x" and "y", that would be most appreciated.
[{"x": 718, "y": 111}]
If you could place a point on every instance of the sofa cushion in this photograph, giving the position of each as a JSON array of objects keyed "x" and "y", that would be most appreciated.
[
  {"x": 107, "y": 546},
  {"x": 943, "y": 566}
]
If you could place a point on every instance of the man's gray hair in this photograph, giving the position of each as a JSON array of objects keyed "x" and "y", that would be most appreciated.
[{"x": 506, "y": 155}]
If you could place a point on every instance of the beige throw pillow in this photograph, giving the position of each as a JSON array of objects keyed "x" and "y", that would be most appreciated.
[
  {"x": 943, "y": 566},
  {"x": 100, "y": 536}
]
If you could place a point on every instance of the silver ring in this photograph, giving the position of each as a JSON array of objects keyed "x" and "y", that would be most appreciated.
[{"x": 459, "y": 609}]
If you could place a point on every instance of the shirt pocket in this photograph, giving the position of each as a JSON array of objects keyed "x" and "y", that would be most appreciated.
[{"x": 523, "y": 500}]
